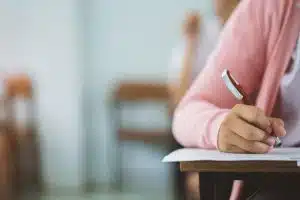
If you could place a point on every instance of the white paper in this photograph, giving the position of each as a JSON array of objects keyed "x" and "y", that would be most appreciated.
[{"x": 277, "y": 154}]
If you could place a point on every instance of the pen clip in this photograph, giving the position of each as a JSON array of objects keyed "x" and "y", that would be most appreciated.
[{"x": 232, "y": 85}]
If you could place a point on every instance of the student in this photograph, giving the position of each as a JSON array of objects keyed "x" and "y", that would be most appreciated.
[
  {"x": 200, "y": 36},
  {"x": 199, "y": 39},
  {"x": 259, "y": 46}
]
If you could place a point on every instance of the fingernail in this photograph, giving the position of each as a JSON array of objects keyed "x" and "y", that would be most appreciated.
[
  {"x": 271, "y": 148},
  {"x": 271, "y": 141},
  {"x": 282, "y": 129}
]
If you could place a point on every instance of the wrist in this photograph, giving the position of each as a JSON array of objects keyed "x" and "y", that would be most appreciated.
[{"x": 217, "y": 126}]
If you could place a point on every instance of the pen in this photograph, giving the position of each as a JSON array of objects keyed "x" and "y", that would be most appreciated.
[{"x": 235, "y": 88}]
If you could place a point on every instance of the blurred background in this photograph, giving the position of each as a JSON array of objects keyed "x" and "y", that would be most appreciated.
[{"x": 76, "y": 120}]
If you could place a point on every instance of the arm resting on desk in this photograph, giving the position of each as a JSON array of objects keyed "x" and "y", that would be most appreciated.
[{"x": 242, "y": 50}]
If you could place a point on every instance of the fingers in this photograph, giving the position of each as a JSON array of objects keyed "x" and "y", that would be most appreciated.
[
  {"x": 250, "y": 132},
  {"x": 253, "y": 115},
  {"x": 248, "y": 129},
  {"x": 191, "y": 24},
  {"x": 193, "y": 17},
  {"x": 248, "y": 145},
  {"x": 232, "y": 142},
  {"x": 278, "y": 127}
]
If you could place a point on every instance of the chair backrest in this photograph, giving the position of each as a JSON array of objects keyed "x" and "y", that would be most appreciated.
[
  {"x": 18, "y": 85},
  {"x": 133, "y": 91},
  {"x": 18, "y": 90}
]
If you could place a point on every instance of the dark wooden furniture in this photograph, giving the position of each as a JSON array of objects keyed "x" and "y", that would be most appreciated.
[
  {"x": 23, "y": 134},
  {"x": 7, "y": 191},
  {"x": 217, "y": 177},
  {"x": 133, "y": 93}
]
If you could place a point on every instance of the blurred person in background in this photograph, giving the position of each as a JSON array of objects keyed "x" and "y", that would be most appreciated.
[{"x": 200, "y": 36}]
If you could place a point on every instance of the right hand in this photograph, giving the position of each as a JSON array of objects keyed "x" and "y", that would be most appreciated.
[
  {"x": 246, "y": 129},
  {"x": 191, "y": 26}
]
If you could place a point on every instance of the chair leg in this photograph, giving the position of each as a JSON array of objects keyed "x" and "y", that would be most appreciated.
[
  {"x": 178, "y": 189},
  {"x": 7, "y": 191},
  {"x": 120, "y": 167},
  {"x": 117, "y": 125}
]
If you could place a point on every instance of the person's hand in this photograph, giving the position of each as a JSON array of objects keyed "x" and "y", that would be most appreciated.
[
  {"x": 191, "y": 26},
  {"x": 246, "y": 129}
]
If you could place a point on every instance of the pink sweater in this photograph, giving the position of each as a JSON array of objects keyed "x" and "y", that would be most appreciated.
[{"x": 256, "y": 45}]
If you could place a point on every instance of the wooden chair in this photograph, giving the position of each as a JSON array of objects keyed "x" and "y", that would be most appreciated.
[
  {"x": 141, "y": 92},
  {"x": 135, "y": 93},
  {"x": 7, "y": 167},
  {"x": 19, "y": 91}
]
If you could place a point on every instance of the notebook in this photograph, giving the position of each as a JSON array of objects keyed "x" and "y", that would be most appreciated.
[{"x": 277, "y": 154}]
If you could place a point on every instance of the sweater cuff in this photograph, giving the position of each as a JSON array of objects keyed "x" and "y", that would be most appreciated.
[{"x": 215, "y": 128}]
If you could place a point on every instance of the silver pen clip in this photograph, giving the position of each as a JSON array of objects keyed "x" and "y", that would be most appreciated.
[{"x": 231, "y": 87}]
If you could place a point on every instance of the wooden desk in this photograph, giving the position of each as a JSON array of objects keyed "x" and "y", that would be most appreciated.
[{"x": 217, "y": 176}]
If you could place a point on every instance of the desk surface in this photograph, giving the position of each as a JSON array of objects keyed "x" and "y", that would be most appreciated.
[{"x": 239, "y": 166}]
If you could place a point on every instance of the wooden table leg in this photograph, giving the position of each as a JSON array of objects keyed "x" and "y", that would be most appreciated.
[
  {"x": 215, "y": 186},
  {"x": 207, "y": 186},
  {"x": 223, "y": 186}
]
